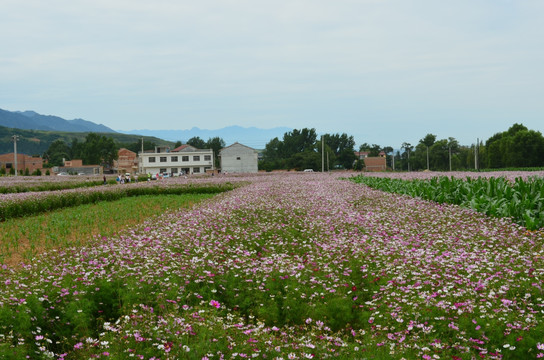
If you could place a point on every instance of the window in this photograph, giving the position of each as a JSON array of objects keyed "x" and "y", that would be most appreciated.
[
  {"x": 174, "y": 159},
  {"x": 163, "y": 159},
  {"x": 185, "y": 158},
  {"x": 162, "y": 171},
  {"x": 196, "y": 170},
  {"x": 174, "y": 170},
  {"x": 196, "y": 157},
  {"x": 207, "y": 158},
  {"x": 238, "y": 158},
  {"x": 151, "y": 159}
]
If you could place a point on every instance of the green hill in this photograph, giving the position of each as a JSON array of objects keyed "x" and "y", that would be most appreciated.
[{"x": 36, "y": 142}]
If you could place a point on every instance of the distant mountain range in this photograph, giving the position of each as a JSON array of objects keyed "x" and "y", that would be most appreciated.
[
  {"x": 252, "y": 136},
  {"x": 31, "y": 120}
]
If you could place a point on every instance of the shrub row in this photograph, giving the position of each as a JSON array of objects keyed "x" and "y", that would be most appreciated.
[
  {"x": 51, "y": 186},
  {"x": 521, "y": 200},
  {"x": 58, "y": 200}
]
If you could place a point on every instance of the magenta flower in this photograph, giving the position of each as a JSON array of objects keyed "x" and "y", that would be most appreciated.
[{"x": 215, "y": 304}]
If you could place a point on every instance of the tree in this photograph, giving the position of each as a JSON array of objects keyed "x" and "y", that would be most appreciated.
[
  {"x": 525, "y": 149},
  {"x": 342, "y": 146},
  {"x": 57, "y": 152},
  {"x": 374, "y": 149},
  {"x": 98, "y": 150},
  {"x": 137, "y": 146},
  {"x": 516, "y": 147},
  {"x": 216, "y": 144},
  {"x": 406, "y": 155},
  {"x": 297, "y": 141},
  {"x": 197, "y": 142},
  {"x": 428, "y": 141}
]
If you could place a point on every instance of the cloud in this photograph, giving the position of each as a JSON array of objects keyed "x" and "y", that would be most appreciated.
[{"x": 295, "y": 63}]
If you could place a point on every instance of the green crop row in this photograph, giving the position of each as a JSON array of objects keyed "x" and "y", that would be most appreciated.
[
  {"x": 52, "y": 201},
  {"x": 521, "y": 200},
  {"x": 51, "y": 186}
]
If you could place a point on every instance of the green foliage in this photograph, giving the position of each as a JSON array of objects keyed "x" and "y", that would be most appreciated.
[
  {"x": 300, "y": 149},
  {"x": 38, "y": 141},
  {"x": 516, "y": 147},
  {"x": 522, "y": 200},
  {"x": 69, "y": 199},
  {"x": 197, "y": 142}
]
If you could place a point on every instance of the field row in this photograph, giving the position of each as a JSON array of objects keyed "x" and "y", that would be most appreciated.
[
  {"x": 30, "y": 203},
  {"x": 521, "y": 199}
]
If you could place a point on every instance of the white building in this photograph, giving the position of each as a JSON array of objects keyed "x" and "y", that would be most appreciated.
[
  {"x": 238, "y": 158},
  {"x": 185, "y": 159}
]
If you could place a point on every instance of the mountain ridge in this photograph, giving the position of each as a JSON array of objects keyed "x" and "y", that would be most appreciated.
[{"x": 31, "y": 120}]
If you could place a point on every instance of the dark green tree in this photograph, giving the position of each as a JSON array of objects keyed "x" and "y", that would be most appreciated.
[
  {"x": 342, "y": 146},
  {"x": 216, "y": 144},
  {"x": 298, "y": 141},
  {"x": 197, "y": 142},
  {"x": 57, "y": 152},
  {"x": 98, "y": 150}
]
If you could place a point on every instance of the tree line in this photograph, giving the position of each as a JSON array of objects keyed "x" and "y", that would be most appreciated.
[
  {"x": 302, "y": 149},
  {"x": 518, "y": 147}
]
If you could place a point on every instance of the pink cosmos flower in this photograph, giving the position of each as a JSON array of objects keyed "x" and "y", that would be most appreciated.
[{"x": 215, "y": 304}]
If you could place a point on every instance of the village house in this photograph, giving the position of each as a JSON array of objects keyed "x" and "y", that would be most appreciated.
[
  {"x": 76, "y": 167},
  {"x": 238, "y": 158},
  {"x": 127, "y": 162},
  {"x": 373, "y": 163},
  {"x": 32, "y": 163},
  {"x": 185, "y": 159}
]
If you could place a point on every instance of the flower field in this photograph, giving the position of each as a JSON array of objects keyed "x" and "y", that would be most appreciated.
[{"x": 289, "y": 266}]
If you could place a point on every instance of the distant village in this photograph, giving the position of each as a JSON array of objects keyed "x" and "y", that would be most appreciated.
[{"x": 163, "y": 162}]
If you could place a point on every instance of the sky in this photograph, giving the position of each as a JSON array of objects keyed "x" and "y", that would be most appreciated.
[{"x": 384, "y": 71}]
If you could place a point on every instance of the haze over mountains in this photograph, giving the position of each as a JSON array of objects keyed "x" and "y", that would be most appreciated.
[
  {"x": 31, "y": 120},
  {"x": 252, "y": 136}
]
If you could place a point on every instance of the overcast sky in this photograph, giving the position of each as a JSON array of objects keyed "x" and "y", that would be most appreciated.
[{"x": 384, "y": 71}]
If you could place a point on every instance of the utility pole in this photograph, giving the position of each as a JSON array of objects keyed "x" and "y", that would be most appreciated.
[
  {"x": 476, "y": 154},
  {"x": 15, "y": 138},
  {"x": 449, "y": 148},
  {"x": 322, "y": 153},
  {"x": 427, "y": 158}
]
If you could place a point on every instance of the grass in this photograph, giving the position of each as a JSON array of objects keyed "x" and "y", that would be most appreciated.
[{"x": 23, "y": 238}]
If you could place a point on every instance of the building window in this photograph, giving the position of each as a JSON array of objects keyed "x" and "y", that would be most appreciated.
[
  {"x": 238, "y": 158},
  {"x": 185, "y": 158},
  {"x": 174, "y": 170},
  {"x": 196, "y": 170},
  {"x": 163, "y": 159},
  {"x": 152, "y": 159},
  {"x": 207, "y": 158},
  {"x": 174, "y": 159},
  {"x": 196, "y": 157}
]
